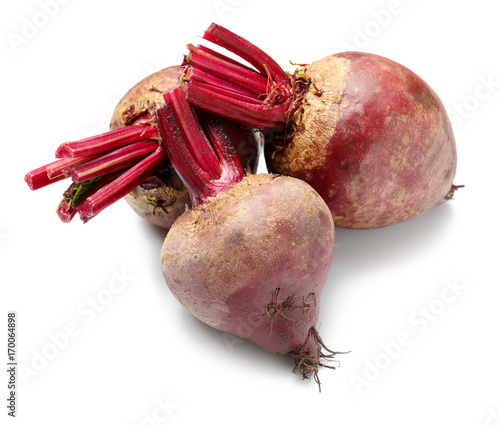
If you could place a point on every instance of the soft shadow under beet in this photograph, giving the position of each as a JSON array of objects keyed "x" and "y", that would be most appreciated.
[
  {"x": 357, "y": 251},
  {"x": 241, "y": 350}
]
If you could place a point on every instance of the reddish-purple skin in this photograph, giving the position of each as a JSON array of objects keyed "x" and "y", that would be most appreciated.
[
  {"x": 387, "y": 155},
  {"x": 253, "y": 261}
]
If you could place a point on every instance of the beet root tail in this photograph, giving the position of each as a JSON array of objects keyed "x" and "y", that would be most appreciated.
[
  {"x": 312, "y": 356},
  {"x": 452, "y": 191}
]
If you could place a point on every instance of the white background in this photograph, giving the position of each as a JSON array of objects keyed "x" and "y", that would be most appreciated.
[{"x": 138, "y": 358}]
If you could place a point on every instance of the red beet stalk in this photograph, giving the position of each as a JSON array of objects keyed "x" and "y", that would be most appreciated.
[
  {"x": 106, "y": 167},
  {"x": 103, "y": 168},
  {"x": 119, "y": 187},
  {"x": 107, "y": 141},
  {"x": 263, "y": 98},
  {"x": 184, "y": 137}
]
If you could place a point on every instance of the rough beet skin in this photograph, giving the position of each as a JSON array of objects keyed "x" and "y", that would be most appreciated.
[
  {"x": 372, "y": 138},
  {"x": 252, "y": 262}
]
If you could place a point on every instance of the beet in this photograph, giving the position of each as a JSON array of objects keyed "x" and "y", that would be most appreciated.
[
  {"x": 252, "y": 262},
  {"x": 252, "y": 255},
  {"x": 367, "y": 133},
  {"x": 377, "y": 144}
]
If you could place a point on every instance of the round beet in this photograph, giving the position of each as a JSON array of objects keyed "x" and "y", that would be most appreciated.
[
  {"x": 252, "y": 255},
  {"x": 372, "y": 138},
  {"x": 252, "y": 262}
]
